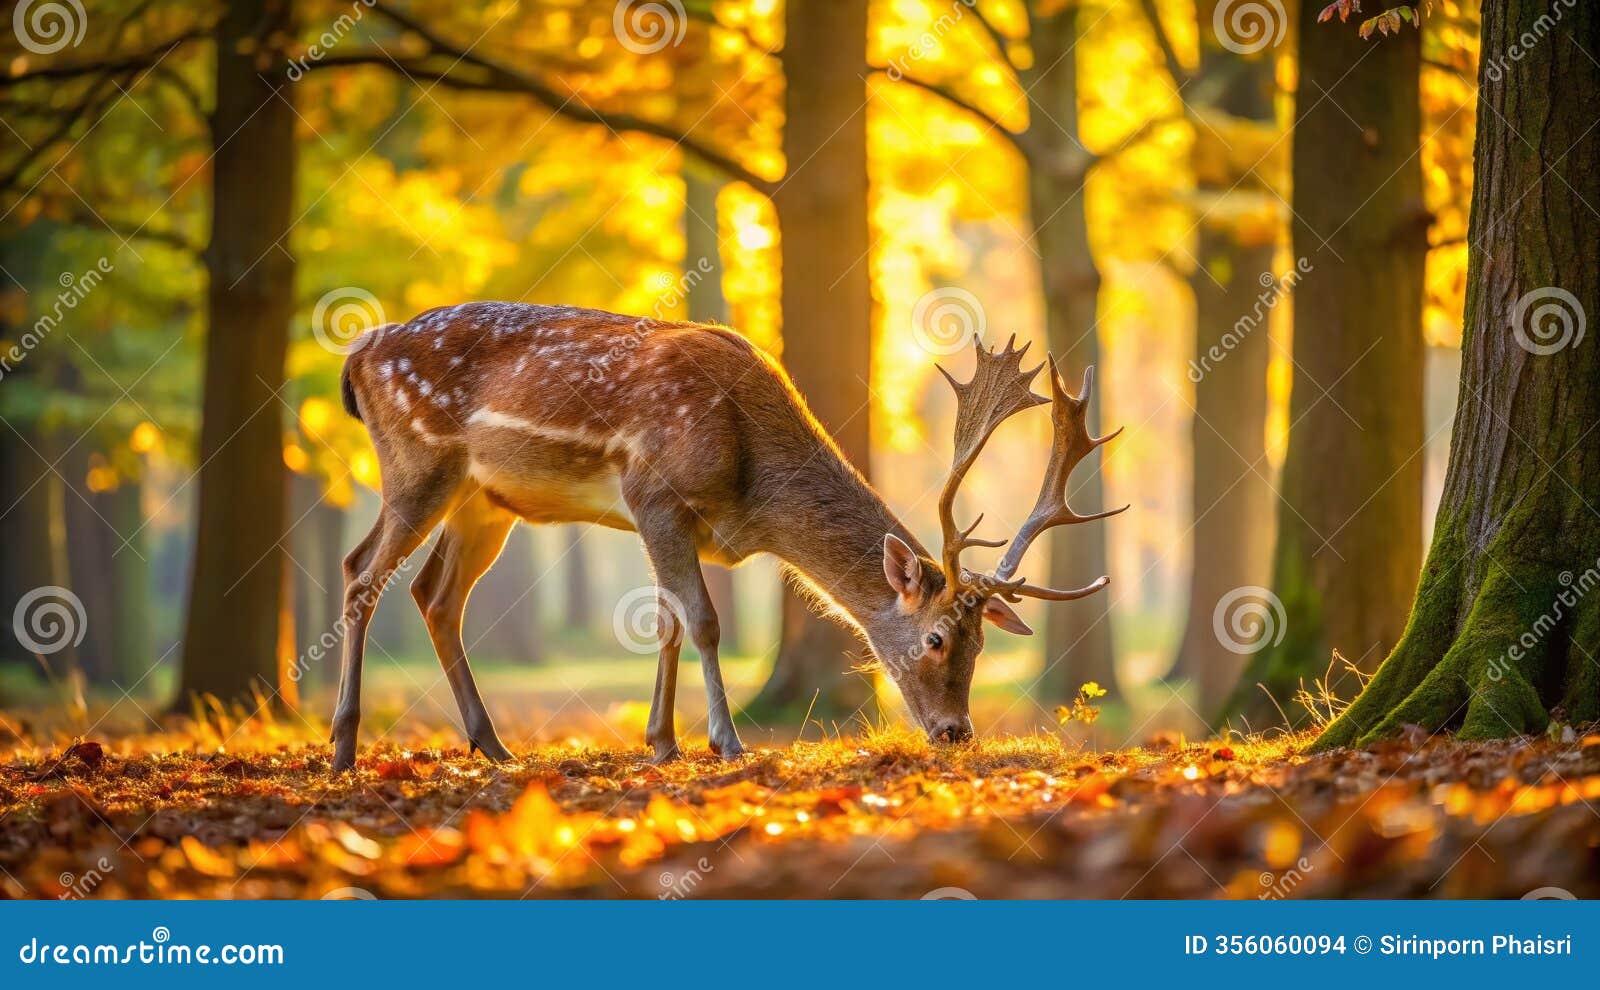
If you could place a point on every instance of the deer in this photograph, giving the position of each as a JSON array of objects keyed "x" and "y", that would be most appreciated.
[{"x": 694, "y": 438}]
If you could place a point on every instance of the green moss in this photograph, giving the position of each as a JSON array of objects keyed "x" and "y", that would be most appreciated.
[
  {"x": 1580, "y": 695},
  {"x": 1522, "y": 642},
  {"x": 1428, "y": 634}
]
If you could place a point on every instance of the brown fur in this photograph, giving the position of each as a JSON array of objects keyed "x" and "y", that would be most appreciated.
[{"x": 488, "y": 412}]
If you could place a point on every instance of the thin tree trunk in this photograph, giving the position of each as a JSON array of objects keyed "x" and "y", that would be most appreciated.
[
  {"x": 503, "y": 612},
  {"x": 707, "y": 304},
  {"x": 1350, "y": 517},
  {"x": 111, "y": 581},
  {"x": 827, "y": 309},
  {"x": 134, "y": 649},
  {"x": 233, "y": 612},
  {"x": 1077, "y": 635},
  {"x": 1231, "y": 497},
  {"x": 1505, "y": 628},
  {"x": 29, "y": 496},
  {"x": 317, "y": 543},
  {"x": 579, "y": 599},
  {"x": 288, "y": 636}
]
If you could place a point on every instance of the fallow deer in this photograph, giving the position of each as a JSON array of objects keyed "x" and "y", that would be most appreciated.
[{"x": 486, "y": 413}]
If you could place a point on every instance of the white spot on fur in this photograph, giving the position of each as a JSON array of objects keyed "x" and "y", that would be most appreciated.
[
  {"x": 405, "y": 364},
  {"x": 422, "y": 432},
  {"x": 401, "y": 400}
]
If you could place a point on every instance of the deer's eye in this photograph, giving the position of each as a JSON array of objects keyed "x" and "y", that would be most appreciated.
[{"x": 934, "y": 641}]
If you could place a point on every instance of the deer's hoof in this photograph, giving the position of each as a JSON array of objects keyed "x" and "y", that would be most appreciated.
[
  {"x": 344, "y": 756},
  {"x": 668, "y": 753},
  {"x": 730, "y": 749},
  {"x": 492, "y": 748}
]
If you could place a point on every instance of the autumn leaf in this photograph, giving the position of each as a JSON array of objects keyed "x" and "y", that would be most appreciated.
[
  {"x": 395, "y": 770},
  {"x": 1344, "y": 8},
  {"x": 1081, "y": 709},
  {"x": 90, "y": 754}
]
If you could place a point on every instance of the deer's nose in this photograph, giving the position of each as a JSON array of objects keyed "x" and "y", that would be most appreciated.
[{"x": 953, "y": 730}]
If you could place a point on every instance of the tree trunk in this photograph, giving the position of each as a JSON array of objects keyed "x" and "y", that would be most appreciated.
[
  {"x": 1506, "y": 622},
  {"x": 503, "y": 613},
  {"x": 1077, "y": 635},
  {"x": 317, "y": 543},
  {"x": 108, "y": 579},
  {"x": 702, "y": 250},
  {"x": 231, "y": 633},
  {"x": 579, "y": 600},
  {"x": 827, "y": 309},
  {"x": 1231, "y": 494},
  {"x": 30, "y": 495},
  {"x": 1350, "y": 514}
]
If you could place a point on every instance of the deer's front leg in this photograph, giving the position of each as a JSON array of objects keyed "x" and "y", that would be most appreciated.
[{"x": 668, "y": 539}]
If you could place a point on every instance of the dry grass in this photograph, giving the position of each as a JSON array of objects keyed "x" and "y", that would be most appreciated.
[{"x": 222, "y": 806}]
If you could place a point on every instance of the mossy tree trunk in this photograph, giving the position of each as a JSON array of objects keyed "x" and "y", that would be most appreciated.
[
  {"x": 1350, "y": 509},
  {"x": 1505, "y": 629}
]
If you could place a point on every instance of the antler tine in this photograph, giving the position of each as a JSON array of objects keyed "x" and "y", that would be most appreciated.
[
  {"x": 999, "y": 389},
  {"x": 1017, "y": 592},
  {"x": 1070, "y": 444}
]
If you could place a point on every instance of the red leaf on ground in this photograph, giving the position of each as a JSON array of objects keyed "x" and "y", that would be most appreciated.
[
  {"x": 90, "y": 754},
  {"x": 395, "y": 770}
]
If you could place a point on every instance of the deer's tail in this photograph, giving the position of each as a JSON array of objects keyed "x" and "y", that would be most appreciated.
[{"x": 347, "y": 388}]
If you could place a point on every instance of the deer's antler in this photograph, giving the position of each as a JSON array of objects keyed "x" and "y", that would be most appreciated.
[
  {"x": 999, "y": 389},
  {"x": 1070, "y": 444}
]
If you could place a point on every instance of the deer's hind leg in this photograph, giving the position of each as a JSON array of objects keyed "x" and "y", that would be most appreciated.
[
  {"x": 468, "y": 546},
  {"x": 409, "y": 513}
]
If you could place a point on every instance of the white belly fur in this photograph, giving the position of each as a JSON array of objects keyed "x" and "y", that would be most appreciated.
[{"x": 521, "y": 465}]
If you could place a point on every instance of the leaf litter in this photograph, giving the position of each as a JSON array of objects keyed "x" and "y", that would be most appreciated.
[{"x": 176, "y": 814}]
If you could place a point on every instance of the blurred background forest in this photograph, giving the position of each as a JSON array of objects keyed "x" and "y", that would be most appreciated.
[{"x": 203, "y": 205}]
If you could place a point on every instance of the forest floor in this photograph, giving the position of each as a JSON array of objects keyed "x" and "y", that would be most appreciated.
[{"x": 250, "y": 809}]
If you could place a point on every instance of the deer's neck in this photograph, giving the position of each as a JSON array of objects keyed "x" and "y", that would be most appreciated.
[{"x": 825, "y": 521}]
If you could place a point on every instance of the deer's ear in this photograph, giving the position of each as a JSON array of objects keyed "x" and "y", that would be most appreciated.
[
  {"x": 1002, "y": 615},
  {"x": 903, "y": 569}
]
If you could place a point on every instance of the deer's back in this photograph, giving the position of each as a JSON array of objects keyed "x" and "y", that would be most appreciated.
[{"x": 554, "y": 409}]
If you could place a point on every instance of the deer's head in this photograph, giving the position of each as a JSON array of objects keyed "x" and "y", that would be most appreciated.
[{"x": 930, "y": 641}]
